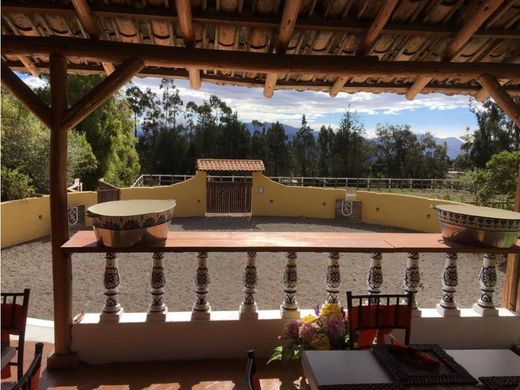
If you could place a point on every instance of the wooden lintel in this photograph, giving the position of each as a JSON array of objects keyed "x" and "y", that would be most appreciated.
[
  {"x": 26, "y": 95},
  {"x": 462, "y": 37},
  {"x": 382, "y": 17},
  {"x": 500, "y": 96},
  {"x": 102, "y": 92},
  {"x": 26, "y": 61},
  {"x": 176, "y": 57},
  {"x": 188, "y": 36},
  {"x": 86, "y": 19},
  {"x": 285, "y": 31}
]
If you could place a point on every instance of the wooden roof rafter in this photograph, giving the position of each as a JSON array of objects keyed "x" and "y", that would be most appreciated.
[
  {"x": 465, "y": 33},
  {"x": 188, "y": 36},
  {"x": 90, "y": 26}
]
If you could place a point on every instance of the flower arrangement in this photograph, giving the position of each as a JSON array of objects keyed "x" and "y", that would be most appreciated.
[{"x": 326, "y": 330}]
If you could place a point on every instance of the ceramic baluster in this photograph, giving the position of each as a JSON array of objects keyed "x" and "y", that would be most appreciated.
[
  {"x": 412, "y": 277},
  {"x": 201, "y": 308},
  {"x": 248, "y": 308},
  {"x": 333, "y": 279},
  {"x": 111, "y": 280},
  {"x": 447, "y": 305},
  {"x": 488, "y": 280},
  {"x": 157, "y": 309},
  {"x": 289, "y": 307},
  {"x": 375, "y": 273}
]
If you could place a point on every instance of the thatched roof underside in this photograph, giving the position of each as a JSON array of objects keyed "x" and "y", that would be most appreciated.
[{"x": 416, "y": 30}]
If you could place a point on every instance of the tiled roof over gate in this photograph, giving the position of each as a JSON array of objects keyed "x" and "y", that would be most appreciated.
[{"x": 214, "y": 164}]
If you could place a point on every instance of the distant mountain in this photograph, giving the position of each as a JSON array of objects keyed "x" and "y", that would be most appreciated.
[
  {"x": 289, "y": 130},
  {"x": 453, "y": 144}
]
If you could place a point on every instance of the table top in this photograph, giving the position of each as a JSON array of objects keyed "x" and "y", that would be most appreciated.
[
  {"x": 7, "y": 354},
  {"x": 323, "y": 368},
  {"x": 196, "y": 241}
]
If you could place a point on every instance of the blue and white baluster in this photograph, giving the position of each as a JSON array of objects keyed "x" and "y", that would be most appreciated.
[
  {"x": 248, "y": 308},
  {"x": 157, "y": 310},
  {"x": 375, "y": 274},
  {"x": 488, "y": 280},
  {"x": 201, "y": 308},
  {"x": 111, "y": 280},
  {"x": 333, "y": 279},
  {"x": 448, "y": 306},
  {"x": 289, "y": 307},
  {"x": 412, "y": 277}
]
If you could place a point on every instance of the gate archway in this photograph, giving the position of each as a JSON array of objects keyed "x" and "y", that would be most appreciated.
[{"x": 229, "y": 185}]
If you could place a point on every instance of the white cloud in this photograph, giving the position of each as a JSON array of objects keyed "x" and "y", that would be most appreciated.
[
  {"x": 34, "y": 82},
  {"x": 288, "y": 106}
]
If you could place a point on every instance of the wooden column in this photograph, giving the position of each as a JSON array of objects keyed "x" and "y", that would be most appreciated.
[
  {"x": 500, "y": 96},
  {"x": 511, "y": 291},
  {"x": 61, "y": 262}
]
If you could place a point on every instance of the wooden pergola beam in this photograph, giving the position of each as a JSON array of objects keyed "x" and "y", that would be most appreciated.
[
  {"x": 500, "y": 96},
  {"x": 370, "y": 38},
  {"x": 90, "y": 26},
  {"x": 462, "y": 37},
  {"x": 26, "y": 95},
  {"x": 175, "y": 57},
  {"x": 101, "y": 92},
  {"x": 262, "y": 22},
  {"x": 188, "y": 36},
  {"x": 29, "y": 65},
  {"x": 285, "y": 31}
]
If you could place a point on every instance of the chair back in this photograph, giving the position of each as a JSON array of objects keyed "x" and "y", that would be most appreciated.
[
  {"x": 252, "y": 378},
  {"x": 31, "y": 379},
  {"x": 14, "y": 309},
  {"x": 377, "y": 314}
]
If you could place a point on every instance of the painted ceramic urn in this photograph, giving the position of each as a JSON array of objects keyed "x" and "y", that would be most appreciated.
[
  {"x": 476, "y": 225},
  {"x": 124, "y": 223}
]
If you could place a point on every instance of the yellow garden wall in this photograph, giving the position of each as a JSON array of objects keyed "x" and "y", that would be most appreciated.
[
  {"x": 189, "y": 195},
  {"x": 405, "y": 211},
  {"x": 28, "y": 219},
  {"x": 270, "y": 198}
]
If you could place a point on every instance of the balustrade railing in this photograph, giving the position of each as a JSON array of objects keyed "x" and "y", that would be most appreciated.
[{"x": 333, "y": 244}]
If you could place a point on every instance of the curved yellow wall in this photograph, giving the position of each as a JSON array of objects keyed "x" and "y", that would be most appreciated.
[
  {"x": 28, "y": 219},
  {"x": 397, "y": 210},
  {"x": 270, "y": 198},
  {"x": 189, "y": 195}
]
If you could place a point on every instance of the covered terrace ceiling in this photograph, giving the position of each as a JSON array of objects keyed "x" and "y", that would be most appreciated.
[{"x": 401, "y": 46}]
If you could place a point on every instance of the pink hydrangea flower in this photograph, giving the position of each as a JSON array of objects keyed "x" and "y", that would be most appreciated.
[
  {"x": 307, "y": 331},
  {"x": 335, "y": 328},
  {"x": 291, "y": 328}
]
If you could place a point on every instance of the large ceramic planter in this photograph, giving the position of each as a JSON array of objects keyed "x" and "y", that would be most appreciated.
[
  {"x": 472, "y": 225},
  {"x": 126, "y": 223}
]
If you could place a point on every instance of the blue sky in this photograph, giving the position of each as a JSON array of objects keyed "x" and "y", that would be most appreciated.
[{"x": 442, "y": 115}]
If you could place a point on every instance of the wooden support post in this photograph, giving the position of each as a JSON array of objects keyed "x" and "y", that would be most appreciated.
[
  {"x": 26, "y": 95},
  {"x": 462, "y": 37},
  {"x": 101, "y": 92},
  {"x": 61, "y": 262},
  {"x": 285, "y": 31},
  {"x": 188, "y": 36},
  {"x": 501, "y": 97},
  {"x": 370, "y": 38},
  {"x": 511, "y": 291}
]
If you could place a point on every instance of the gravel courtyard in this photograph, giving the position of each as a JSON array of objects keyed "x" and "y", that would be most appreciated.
[{"x": 29, "y": 265}]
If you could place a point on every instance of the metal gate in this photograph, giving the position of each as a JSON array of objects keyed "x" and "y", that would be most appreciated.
[
  {"x": 228, "y": 197},
  {"x": 107, "y": 192}
]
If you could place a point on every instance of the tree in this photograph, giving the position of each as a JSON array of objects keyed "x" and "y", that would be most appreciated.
[
  {"x": 109, "y": 131},
  {"x": 496, "y": 132},
  {"x": 277, "y": 158},
  {"x": 349, "y": 148},
  {"x": 25, "y": 152},
  {"x": 325, "y": 142},
  {"x": 304, "y": 148}
]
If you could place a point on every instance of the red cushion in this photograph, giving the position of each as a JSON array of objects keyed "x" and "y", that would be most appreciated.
[{"x": 385, "y": 317}]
